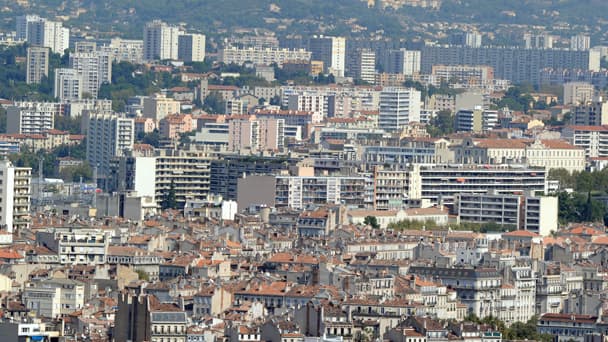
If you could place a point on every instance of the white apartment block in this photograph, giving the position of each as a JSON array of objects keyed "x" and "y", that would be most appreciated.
[
  {"x": 108, "y": 136},
  {"x": 576, "y": 93},
  {"x": 299, "y": 191},
  {"x": 95, "y": 69},
  {"x": 160, "y": 41},
  {"x": 50, "y": 34},
  {"x": 262, "y": 56},
  {"x": 54, "y": 297},
  {"x": 125, "y": 50},
  {"x": 309, "y": 102},
  {"x": 331, "y": 51},
  {"x": 31, "y": 117},
  {"x": 472, "y": 74},
  {"x": 191, "y": 47},
  {"x": 363, "y": 66},
  {"x": 37, "y": 64},
  {"x": 594, "y": 139},
  {"x": 403, "y": 61},
  {"x": 476, "y": 120},
  {"x": 580, "y": 42},
  {"x": 15, "y": 190},
  {"x": 398, "y": 107},
  {"x": 538, "y": 41},
  {"x": 256, "y": 135},
  {"x": 69, "y": 84}
]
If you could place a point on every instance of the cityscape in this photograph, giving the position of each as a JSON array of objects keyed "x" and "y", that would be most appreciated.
[{"x": 303, "y": 171}]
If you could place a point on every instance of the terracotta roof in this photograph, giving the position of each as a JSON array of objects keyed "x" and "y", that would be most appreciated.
[{"x": 521, "y": 233}]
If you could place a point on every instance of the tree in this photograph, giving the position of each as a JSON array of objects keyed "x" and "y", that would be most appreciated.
[
  {"x": 442, "y": 124},
  {"x": 169, "y": 201},
  {"x": 371, "y": 221},
  {"x": 153, "y": 138},
  {"x": 214, "y": 103}
]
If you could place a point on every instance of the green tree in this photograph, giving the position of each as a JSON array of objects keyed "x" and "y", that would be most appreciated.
[
  {"x": 169, "y": 201},
  {"x": 442, "y": 124},
  {"x": 371, "y": 221},
  {"x": 214, "y": 103}
]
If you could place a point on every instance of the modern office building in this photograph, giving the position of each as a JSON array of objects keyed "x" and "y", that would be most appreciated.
[
  {"x": 161, "y": 41},
  {"x": 331, "y": 51},
  {"x": 398, "y": 107},
  {"x": 95, "y": 69},
  {"x": 15, "y": 195},
  {"x": 37, "y": 64},
  {"x": 108, "y": 136},
  {"x": 31, "y": 117},
  {"x": 191, "y": 47},
  {"x": 262, "y": 56}
]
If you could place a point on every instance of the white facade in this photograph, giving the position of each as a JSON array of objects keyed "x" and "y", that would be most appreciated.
[
  {"x": 363, "y": 66},
  {"x": 411, "y": 62},
  {"x": 580, "y": 42},
  {"x": 262, "y": 56},
  {"x": 49, "y": 34},
  {"x": 578, "y": 92},
  {"x": 125, "y": 50},
  {"x": 331, "y": 51},
  {"x": 95, "y": 69},
  {"x": 191, "y": 47},
  {"x": 31, "y": 117},
  {"x": 15, "y": 188},
  {"x": 398, "y": 107},
  {"x": 54, "y": 297},
  {"x": 160, "y": 41},
  {"x": 69, "y": 84}
]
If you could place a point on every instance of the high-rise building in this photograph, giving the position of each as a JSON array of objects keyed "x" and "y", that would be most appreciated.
[
  {"x": 538, "y": 41},
  {"x": 580, "y": 42},
  {"x": 472, "y": 39},
  {"x": 403, "y": 61},
  {"x": 331, "y": 51},
  {"x": 159, "y": 106},
  {"x": 476, "y": 120},
  {"x": 95, "y": 69},
  {"x": 68, "y": 84},
  {"x": 31, "y": 117},
  {"x": 49, "y": 34},
  {"x": 15, "y": 191},
  {"x": 22, "y": 24},
  {"x": 256, "y": 134},
  {"x": 37, "y": 64},
  {"x": 262, "y": 56},
  {"x": 160, "y": 41},
  {"x": 125, "y": 50},
  {"x": 578, "y": 92},
  {"x": 398, "y": 107},
  {"x": 362, "y": 66},
  {"x": 592, "y": 113},
  {"x": 191, "y": 47},
  {"x": 108, "y": 136}
]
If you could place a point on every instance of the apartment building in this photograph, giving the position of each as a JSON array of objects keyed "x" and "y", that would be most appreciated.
[
  {"x": 125, "y": 50},
  {"x": 256, "y": 135},
  {"x": 521, "y": 211},
  {"x": 510, "y": 63},
  {"x": 398, "y": 108},
  {"x": 159, "y": 106},
  {"x": 463, "y": 73},
  {"x": 108, "y": 136},
  {"x": 262, "y": 56},
  {"x": 191, "y": 47},
  {"x": 576, "y": 93},
  {"x": 69, "y": 84},
  {"x": 331, "y": 51},
  {"x": 95, "y": 69},
  {"x": 402, "y": 62},
  {"x": 37, "y": 64},
  {"x": 580, "y": 42},
  {"x": 593, "y": 113},
  {"x": 76, "y": 246},
  {"x": 309, "y": 102},
  {"x": 299, "y": 191},
  {"x": 16, "y": 196},
  {"x": 54, "y": 297},
  {"x": 32, "y": 117},
  {"x": 160, "y": 41},
  {"x": 476, "y": 120},
  {"x": 593, "y": 139},
  {"x": 362, "y": 66},
  {"x": 174, "y": 125},
  {"x": 44, "y": 33},
  {"x": 538, "y": 41}
]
